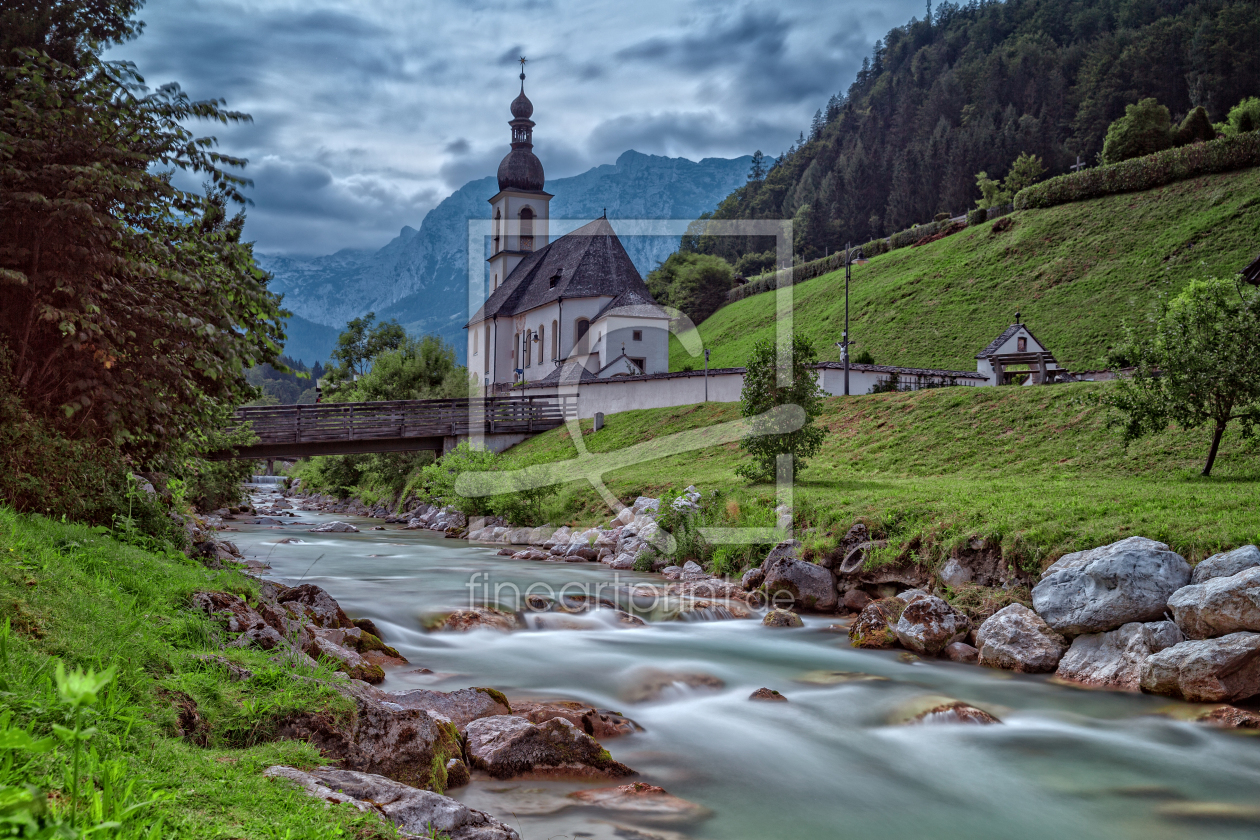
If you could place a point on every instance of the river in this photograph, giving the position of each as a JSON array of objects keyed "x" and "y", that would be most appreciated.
[{"x": 1065, "y": 763}]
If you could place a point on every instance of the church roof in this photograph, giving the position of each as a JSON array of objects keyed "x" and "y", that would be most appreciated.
[
  {"x": 632, "y": 303},
  {"x": 589, "y": 262}
]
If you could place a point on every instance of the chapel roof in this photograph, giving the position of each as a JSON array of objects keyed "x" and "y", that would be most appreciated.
[{"x": 1005, "y": 337}]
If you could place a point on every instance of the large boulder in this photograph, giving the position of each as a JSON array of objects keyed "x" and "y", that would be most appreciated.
[
  {"x": 460, "y": 707},
  {"x": 928, "y": 624},
  {"x": 1219, "y": 605},
  {"x": 506, "y": 746},
  {"x": 381, "y": 737},
  {"x": 873, "y": 628},
  {"x": 478, "y": 618},
  {"x": 810, "y": 587},
  {"x": 1114, "y": 659},
  {"x": 1226, "y": 564},
  {"x": 334, "y": 528},
  {"x": 420, "y": 813},
  {"x": 316, "y": 605},
  {"x": 1207, "y": 670},
  {"x": 600, "y": 724},
  {"x": 1016, "y": 639},
  {"x": 781, "y": 618},
  {"x": 344, "y": 659},
  {"x": 1100, "y": 589}
]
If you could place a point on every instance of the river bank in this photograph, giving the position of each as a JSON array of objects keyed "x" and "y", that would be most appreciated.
[{"x": 1106, "y": 764}]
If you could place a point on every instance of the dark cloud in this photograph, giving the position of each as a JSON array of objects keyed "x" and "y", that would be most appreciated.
[{"x": 368, "y": 114}]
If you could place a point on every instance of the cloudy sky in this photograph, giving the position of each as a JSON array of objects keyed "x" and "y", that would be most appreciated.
[{"x": 366, "y": 113}]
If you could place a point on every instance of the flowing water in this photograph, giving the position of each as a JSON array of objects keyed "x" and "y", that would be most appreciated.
[{"x": 1065, "y": 763}]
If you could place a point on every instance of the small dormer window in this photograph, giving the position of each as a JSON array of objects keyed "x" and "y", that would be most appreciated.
[
  {"x": 637, "y": 335},
  {"x": 555, "y": 279}
]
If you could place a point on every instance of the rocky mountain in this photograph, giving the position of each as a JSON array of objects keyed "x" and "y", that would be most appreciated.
[{"x": 421, "y": 276}]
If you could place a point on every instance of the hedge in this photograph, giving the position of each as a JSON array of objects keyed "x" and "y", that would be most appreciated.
[
  {"x": 796, "y": 274},
  {"x": 1144, "y": 173}
]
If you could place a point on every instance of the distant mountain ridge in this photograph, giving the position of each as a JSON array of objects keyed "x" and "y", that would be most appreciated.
[{"x": 421, "y": 276}]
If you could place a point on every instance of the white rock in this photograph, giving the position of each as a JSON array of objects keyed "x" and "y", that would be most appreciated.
[
  {"x": 1219, "y": 606},
  {"x": 1114, "y": 659},
  {"x": 1226, "y": 564},
  {"x": 1100, "y": 589},
  {"x": 1016, "y": 639},
  {"x": 954, "y": 574},
  {"x": 1222, "y": 670}
]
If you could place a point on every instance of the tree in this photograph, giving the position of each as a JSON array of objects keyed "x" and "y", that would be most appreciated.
[
  {"x": 361, "y": 342},
  {"x": 1144, "y": 129},
  {"x": 695, "y": 284},
  {"x": 1200, "y": 365},
  {"x": 418, "y": 369},
  {"x": 1243, "y": 117},
  {"x": 131, "y": 307},
  {"x": 762, "y": 392},
  {"x": 1025, "y": 171},
  {"x": 991, "y": 192},
  {"x": 758, "y": 169}
]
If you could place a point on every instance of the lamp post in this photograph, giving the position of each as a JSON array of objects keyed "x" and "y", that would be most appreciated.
[
  {"x": 706, "y": 374},
  {"x": 847, "y": 248}
]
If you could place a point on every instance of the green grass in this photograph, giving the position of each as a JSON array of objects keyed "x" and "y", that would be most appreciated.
[
  {"x": 80, "y": 598},
  {"x": 1075, "y": 273},
  {"x": 1032, "y": 468}
]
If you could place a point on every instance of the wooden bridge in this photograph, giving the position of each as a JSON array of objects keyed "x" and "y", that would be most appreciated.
[{"x": 293, "y": 431}]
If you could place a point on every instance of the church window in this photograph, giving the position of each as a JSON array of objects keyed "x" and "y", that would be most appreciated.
[
  {"x": 641, "y": 364},
  {"x": 526, "y": 354},
  {"x": 1023, "y": 344},
  {"x": 542, "y": 343},
  {"x": 555, "y": 336},
  {"x": 474, "y": 342},
  {"x": 487, "y": 356},
  {"x": 555, "y": 278},
  {"x": 637, "y": 335},
  {"x": 527, "y": 229},
  {"x": 498, "y": 220}
]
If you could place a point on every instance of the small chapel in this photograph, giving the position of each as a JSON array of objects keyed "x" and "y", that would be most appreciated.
[{"x": 573, "y": 308}]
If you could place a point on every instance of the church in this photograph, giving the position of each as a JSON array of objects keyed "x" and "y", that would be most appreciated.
[{"x": 574, "y": 306}]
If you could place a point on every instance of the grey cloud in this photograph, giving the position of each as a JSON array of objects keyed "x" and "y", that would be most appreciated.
[{"x": 458, "y": 146}]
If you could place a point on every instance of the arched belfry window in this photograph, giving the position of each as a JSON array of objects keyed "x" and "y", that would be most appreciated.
[
  {"x": 498, "y": 220},
  {"x": 527, "y": 229}
]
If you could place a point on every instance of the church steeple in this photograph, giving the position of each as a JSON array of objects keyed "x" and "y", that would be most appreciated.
[{"x": 521, "y": 169}]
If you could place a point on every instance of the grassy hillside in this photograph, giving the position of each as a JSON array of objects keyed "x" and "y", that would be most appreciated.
[
  {"x": 1034, "y": 469},
  {"x": 172, "y": 729},
  {"x": 1075, "y": 273}
]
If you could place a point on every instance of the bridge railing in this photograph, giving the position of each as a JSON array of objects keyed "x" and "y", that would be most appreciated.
[{"x": 330, "y": 422}]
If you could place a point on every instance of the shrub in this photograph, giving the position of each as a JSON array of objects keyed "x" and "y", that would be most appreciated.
[
  {"x": 1144, "y": 129},
  {"x": 977, "y": 217},
  {"x": 874, "y": 248},
  {"x": 1195, "y": 128},
  {"x": 1145, "y": 173},
  {"x": 1243, "y": 117}
]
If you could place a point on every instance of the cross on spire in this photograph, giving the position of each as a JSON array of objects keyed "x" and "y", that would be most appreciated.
[{"x": 522, "y": 60}]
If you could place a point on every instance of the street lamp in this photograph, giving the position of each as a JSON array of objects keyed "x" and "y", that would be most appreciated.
[{"x": 706, "y": 374}]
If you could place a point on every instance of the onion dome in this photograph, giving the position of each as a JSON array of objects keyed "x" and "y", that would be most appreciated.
[
  {"x": 521, "y": 169},
  {"x": 522, "y": 108}
]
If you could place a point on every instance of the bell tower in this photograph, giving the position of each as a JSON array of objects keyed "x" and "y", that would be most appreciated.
[{"x": 519, "y": 212}]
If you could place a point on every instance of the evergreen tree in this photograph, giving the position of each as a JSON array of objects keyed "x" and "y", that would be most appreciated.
[{"x": 758, "y": 169}]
